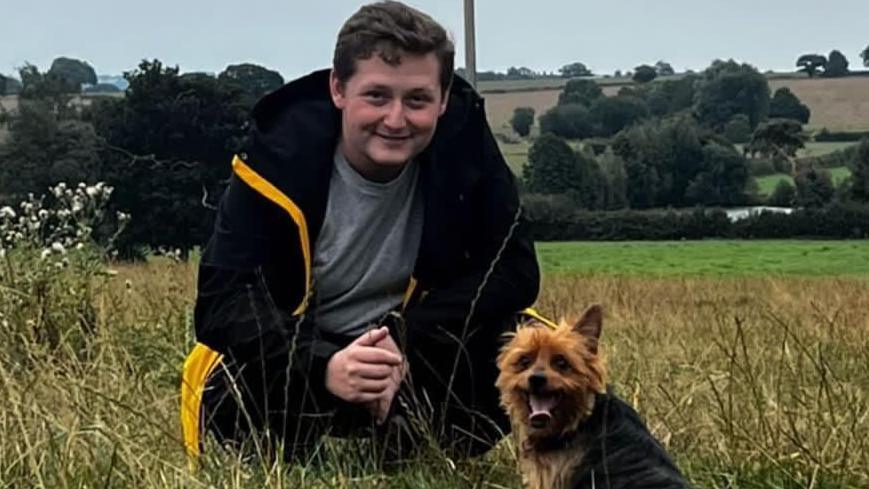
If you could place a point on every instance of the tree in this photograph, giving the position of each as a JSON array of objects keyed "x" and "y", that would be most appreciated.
[
  {"x": 169, "y": 144},
  {"x": 729, "y": 88},
  {"x": 664, "y": 158},
  {"x": 574, "y": 70},
  {"x": 571, "y": 121},
  {"x": 814, "y": 188},
  {"x": 859, "y": 189},
  {"x": 664, "y": 69},
  {"x": 522, "y": 120},
  {"x": 644, "y": 74},
  {"x": 783, "y": 195},
  {"x": 551, "y": 167},
  {"x": 47, "y": 144},
  {"x": 721, "y": 178},
  {"x": 738, "y": 129},
  {"x": 810, "y": 63},
  {"x": 47, "y": 89},
  {"x": 612, "y": 114},
  {"x": 865, "y": 55},
  {"x": 786, "y": 105},
  {"x": 582, "y": 92},
  {"x": 671, "y": 96},
  {"x": 613, "y": 169},
  {"x": 73, "y": 71},
  {"x": 777, "y": 139},
  {"x": 254, "y": 80},
  {"x": 520, "y": 73},
  {"x": 837, "y": 64}
]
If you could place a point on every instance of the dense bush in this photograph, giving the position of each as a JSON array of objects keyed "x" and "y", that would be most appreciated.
[
  {"x": 552, "y": 219},
  {"x": 825, "y": 136}
]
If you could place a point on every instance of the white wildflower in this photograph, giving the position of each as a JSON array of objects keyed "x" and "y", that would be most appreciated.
[
  {"x": 91, "y": 191},
  {"x": 7, "y": 211},
  {"x": 82, "y": 185},
  {"x": 42, "y": 214},
  {"x": 45, "y": 254},
  {"x": 79, "y": 246},
  {"x": 63, "y": 213},
  {"x": 58, "y": 248},
  {"x": 2, "y": 252}
]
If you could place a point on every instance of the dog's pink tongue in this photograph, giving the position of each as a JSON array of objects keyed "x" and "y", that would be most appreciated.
[{"x": 540, "y": 410}]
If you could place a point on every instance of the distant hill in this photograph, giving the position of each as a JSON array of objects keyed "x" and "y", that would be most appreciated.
[{"x": 116, "y": 80}]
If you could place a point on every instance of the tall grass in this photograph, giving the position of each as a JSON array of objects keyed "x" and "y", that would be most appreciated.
[{"x": 749, "y": 382}]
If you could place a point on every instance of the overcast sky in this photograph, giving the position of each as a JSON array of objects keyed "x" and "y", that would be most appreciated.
[{"x": 296, "y": 37}]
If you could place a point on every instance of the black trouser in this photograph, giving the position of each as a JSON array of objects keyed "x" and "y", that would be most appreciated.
[{"x": 278, "y": 410}]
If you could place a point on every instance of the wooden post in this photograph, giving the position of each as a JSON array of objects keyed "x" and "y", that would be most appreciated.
[{"x": 470, "y": 44}]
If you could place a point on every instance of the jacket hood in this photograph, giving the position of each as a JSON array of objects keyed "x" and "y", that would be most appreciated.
[{"x": 304, "y": 106}]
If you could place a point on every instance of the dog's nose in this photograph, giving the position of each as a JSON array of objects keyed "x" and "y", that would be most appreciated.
[{"x": 537, "y": 381}]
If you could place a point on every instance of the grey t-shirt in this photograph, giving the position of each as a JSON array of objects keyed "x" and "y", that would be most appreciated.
[{"x": 367, "y": 247}]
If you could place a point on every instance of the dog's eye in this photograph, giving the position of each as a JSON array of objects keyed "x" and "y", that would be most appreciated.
[
  {"x": 560, "y": 363},
  {"x": 523, "y": 362}
]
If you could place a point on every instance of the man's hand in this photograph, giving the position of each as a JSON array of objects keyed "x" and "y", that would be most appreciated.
[
  {"x": 363, "y": 372},
  {"x": 381, "y": 407}
]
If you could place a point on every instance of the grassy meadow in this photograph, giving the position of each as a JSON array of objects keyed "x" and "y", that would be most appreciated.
[
  {"x": 766, "y": 184},
  {"x": 748, "y": 360}
]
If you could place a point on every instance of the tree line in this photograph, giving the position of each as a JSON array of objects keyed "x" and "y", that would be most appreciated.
[
  {"x": 695, "y": 140},
  {"x": 165, "y": 146}
]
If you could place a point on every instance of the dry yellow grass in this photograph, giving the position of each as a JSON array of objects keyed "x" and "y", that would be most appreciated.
[
  {"x": 839, "y": 104},
  {"x": 760, "y": 382}
]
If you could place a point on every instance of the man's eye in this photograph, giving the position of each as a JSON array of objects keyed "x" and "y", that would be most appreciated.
[
  {"x": 375, "y": 97},
  {"x": 418, "y": 101}
]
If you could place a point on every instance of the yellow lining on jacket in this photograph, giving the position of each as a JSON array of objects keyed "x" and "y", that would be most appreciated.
[
  {"x": 272, "y": 193},
  {"x": 198, "y": 366}
]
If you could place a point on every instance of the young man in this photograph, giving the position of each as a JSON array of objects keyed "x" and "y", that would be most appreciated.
[{"x": 368, "y": 255}]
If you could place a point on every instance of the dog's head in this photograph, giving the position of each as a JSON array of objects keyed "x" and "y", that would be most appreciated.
[{"x": 549, "y": 376}]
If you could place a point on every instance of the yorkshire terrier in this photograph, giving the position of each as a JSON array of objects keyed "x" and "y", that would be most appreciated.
[{"x": 571, "y": 431}]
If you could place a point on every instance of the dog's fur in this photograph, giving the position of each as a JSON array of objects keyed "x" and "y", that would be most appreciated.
[{"x": 571, "y": 431}]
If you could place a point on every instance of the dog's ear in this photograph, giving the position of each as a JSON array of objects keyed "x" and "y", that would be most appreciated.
[{"x": 590, "y": 324}]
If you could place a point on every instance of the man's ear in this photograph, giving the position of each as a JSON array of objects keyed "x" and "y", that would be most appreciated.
[
  {"x": 444, "y": 100},
  {"x": 336, "y": 89}
]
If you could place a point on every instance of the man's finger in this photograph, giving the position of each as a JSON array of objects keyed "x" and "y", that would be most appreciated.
[
  {"x": 372, "y": 386},
  {"x": 371, "y": 337},
  {"x": 366, "y": 397},
  {"x": 370, "y": 354},
  {"x": 375, "y": 371},
  {"x": 388, "y": 343}
]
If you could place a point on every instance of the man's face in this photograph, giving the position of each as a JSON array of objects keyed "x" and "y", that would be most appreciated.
[{"x": 389, "y": 113}]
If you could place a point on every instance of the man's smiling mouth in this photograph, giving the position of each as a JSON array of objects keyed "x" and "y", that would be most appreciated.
[{"x": 393, "y": 138}]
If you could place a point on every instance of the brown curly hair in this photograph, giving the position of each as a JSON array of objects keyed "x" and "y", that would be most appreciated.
[{"x": 390, "y": 29}]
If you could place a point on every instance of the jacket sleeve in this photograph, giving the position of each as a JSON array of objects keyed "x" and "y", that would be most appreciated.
[
  {"x": 505, "y": 278},
  {"x": 238, "y": 311}
]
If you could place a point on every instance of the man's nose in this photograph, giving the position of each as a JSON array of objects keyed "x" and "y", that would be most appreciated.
[{"x": 395, "y": 119}]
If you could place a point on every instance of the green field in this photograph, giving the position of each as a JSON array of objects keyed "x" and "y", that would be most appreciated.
[
  {"x": 707, "y": 258},
  {"x": 767, "y": 184}
]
